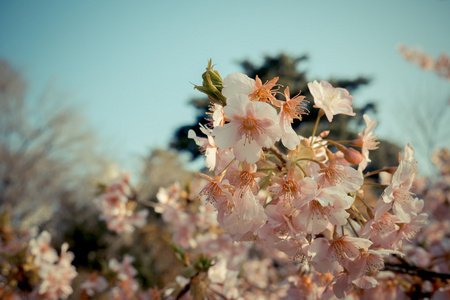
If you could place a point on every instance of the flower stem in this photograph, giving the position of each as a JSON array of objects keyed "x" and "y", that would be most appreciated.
[
  {"x": 359, "y": 214},
  {"x": 321, "y": 113},
  {"x": 301, "y": 168},
  {"x": 382, "y": 186},
  {"x": 353, "y": 228},
  {"x": 309, "y": 159},
  {"x": 369, "y": 209},
  {"x": 226, "y": 168},
  {"x": 390, "y": 170}
]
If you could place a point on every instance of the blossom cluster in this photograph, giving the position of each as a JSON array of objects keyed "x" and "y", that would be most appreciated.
[
  {"x": 431, "y": 247},
  {"x": 117, "y": 203},
  {"x": 56, "y": 272},
  {"x": 118, "y": 281},
  {"x": 206, "y": 253},
  {"x": 117, "y": 206},
  {"x": 33, "y": 268},
  {"x": 216, "y": 267},
  {"x": 300, "y": 195},
  {"x": 213, "y": 265},
  {"x": 440, "y": 65}
]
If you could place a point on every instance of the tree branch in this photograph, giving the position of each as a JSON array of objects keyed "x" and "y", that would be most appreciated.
[{"x": 405, "y": 268}]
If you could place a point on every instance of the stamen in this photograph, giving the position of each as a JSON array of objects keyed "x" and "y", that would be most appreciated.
[
  {"x": 332, "y": 175},
  {"x": 251, "y": 129}
]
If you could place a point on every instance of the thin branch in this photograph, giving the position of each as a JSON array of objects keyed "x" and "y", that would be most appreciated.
[{"x": 405, "y": 268}]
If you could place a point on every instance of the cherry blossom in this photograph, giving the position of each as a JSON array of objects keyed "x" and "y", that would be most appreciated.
[
  {"x": 334, "y": 255},
  {"x": 94, "y": 284},
  {"x": 42, "y": 250},
  {"x": 336, "y": 174},
  {"x": 252, "y": 125},
  {"x": 237, "y": 83},
  {"x": 322, "y": 206},
  {"x": 241, "y": 84},
  {"x": 56, "y": 272},
  {"x": 117, "y": 209},
  {"x": 264, "y": 92},
  {"x": 207, "y": 146},
  {"x": 332, "y": 100},
  {"x": 367, "y": 141},
  {"x": 245, "y": 179},
  {"x": 289, "y": 110},
  {"x": 215, "y": 191},
  {"x": 398, "y": 195},
  {"x": 382, "y": 231},
  {"x": 215, "y": 116},
  {"x": 287, "y": 190}
]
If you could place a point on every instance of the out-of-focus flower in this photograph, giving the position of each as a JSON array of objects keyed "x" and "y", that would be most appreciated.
[
  {"x": 441, "y": 65},
  {"x": 94, "y": 284},
  {"x": 116, "y": 208},
  {"x": 56, "y": 275},
  {"x": 42, "y": 250}
]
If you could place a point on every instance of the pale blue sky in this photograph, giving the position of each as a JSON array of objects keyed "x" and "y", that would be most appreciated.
[{"x": 130, "y": 63}]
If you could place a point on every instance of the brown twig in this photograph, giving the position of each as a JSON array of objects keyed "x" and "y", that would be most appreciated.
[{"x": 405, "y": 268}]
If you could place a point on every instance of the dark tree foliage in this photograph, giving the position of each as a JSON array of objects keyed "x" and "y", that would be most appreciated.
[{"x": 291, "y": 72}]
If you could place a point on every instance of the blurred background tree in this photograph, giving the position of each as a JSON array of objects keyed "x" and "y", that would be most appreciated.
[
  {"x": 50, "y": 166},
  {"x": 161, "y": 168},
  {"x": 49, "y": 158},
  {"x": 423, "y": 113},
  {"x": 292, "y": 73}
]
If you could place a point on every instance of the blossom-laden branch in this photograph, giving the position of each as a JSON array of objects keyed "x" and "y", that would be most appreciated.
[
  {"x": 315, "y": 229},
  {"x": 405, "y": 268},
  {"x": 312, "y": 189},
  {"x": 440, "y": 65}
]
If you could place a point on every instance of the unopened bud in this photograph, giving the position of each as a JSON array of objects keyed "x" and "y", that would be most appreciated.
[
  {"x": 212, "y": 85},
  {"x": 351, "y": 155},
  {"x": 324, "y": 133},
  {"x": 214, "y": 76},
  {"x": 203, "y": 263}
]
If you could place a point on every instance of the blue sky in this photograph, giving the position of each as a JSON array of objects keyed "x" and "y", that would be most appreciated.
[{"x": 130, "y": 64}]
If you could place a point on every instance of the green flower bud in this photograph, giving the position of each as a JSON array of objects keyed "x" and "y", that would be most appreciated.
[
  {"x": 180, "y": 254},
  {"x": 203, "y": 263},
  {"x": 212, "y": 85}
]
